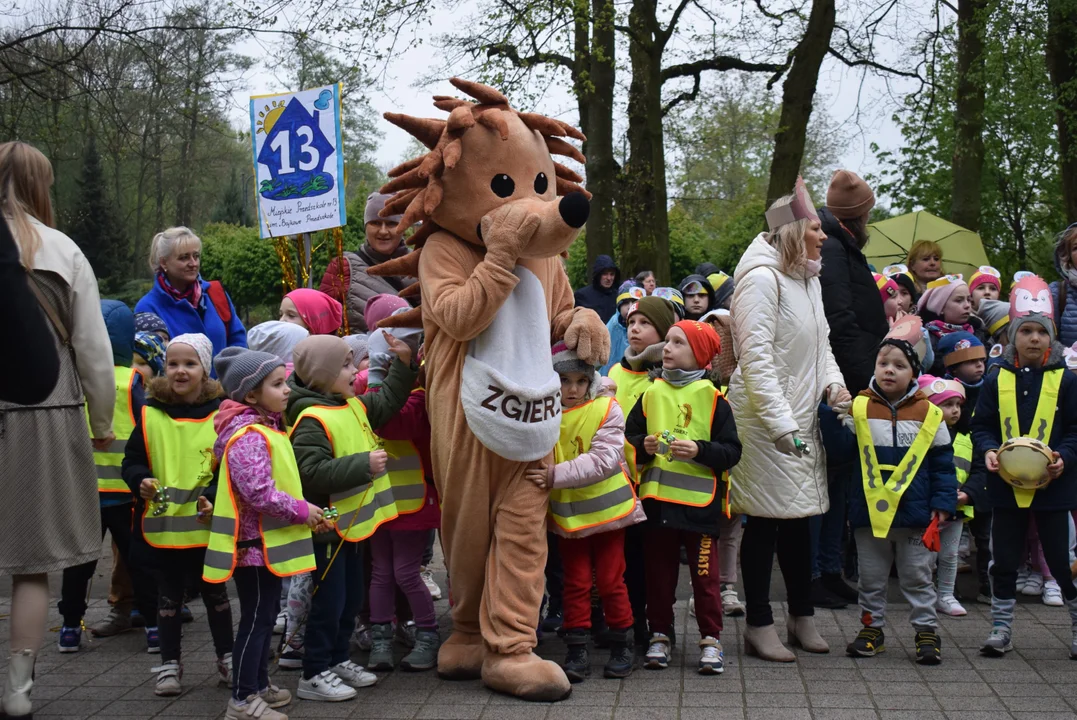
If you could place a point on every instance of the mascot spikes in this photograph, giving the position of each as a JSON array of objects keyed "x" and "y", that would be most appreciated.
[{"x": 496, "y": 212}]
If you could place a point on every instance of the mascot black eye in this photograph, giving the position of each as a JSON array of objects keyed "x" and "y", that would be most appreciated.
[
  {"x": 502, "y": 185},
  {"x": 542, "y": 183}
]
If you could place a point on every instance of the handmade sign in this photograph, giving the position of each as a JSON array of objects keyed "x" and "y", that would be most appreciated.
[{"x": 298, "y": 161}]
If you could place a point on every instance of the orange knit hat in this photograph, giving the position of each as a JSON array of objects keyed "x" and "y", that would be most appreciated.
[{"x": 703, "y": 340}]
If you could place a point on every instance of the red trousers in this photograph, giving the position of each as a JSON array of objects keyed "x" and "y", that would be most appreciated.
[
  {"x": 601, "y": 558},
  {"x": 662, "y": 561}
]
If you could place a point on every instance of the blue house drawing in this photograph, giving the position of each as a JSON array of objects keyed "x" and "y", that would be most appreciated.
[{"x": 297, "y": 160}]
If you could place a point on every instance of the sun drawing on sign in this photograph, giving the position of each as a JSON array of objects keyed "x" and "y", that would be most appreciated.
[{"x": 268, "y": 116}]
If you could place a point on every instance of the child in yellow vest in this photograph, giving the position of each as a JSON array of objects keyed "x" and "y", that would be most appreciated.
[
  {"x": 949, "y": 396},
  {"x": 169, "y": 465},
  {"x": 341, "y": 464},
  {"x": 261, "y": 524},
  {"x": 683, "y": 432},
  {"x": 907, "y": 481},
  {"x": 591, "y": 503}
]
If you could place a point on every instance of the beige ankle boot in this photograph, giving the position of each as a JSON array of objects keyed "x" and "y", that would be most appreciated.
[
  {"x": 20, "y": 680},
  {"x": 802, "y": 633},
  {"x": 763, "y": 642}
]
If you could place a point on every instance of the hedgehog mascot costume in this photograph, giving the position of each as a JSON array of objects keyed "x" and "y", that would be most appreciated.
[{"x": 496, "y": 214}]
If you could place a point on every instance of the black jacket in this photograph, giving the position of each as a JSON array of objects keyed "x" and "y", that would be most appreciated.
[
  {"x": 720, "y": 454},
  {"x": 1061, "y": 494},
  {"x": 602, "y": 300},
  {"x": 853, "y": 306}
]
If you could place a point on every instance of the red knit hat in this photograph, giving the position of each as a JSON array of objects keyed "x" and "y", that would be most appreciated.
[{"x": 703, "y": 340}]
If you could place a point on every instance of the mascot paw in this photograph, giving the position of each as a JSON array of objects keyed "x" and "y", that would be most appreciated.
[
  {"x": 588, "y": 336},
  {"x": 526, "y": 676},
  {"x": 461, "y": 657}
]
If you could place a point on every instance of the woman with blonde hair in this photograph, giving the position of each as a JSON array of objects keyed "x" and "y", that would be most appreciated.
[
  {"x": 785, "y": 369},
  {"x": 46, "y": 457},
  {"x": 925, "y": 263}
]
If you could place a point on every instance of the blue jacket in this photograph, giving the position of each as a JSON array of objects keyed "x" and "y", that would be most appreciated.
[
  {"x": 893, "y": 429},
  {"x": 1061, "y": 494},
  {"x": 181, "y": 317},
  {"x": 618, "y": 341},
  {"x": 1067, "y": 324}
]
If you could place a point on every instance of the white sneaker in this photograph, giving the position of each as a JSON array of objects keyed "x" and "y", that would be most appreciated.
[
  {"x": 711, "y": 657},
  {"x": 224, "y": 670},
  {"x": 428, "y": 580},
  {"x": 354, "y": 675},
  {"x": 1034, "y": 585},
  {"x": 281, "y": 624},
  {"x": 658, "y": 653},
  {"x": 1022, "y": 578},
  {"x": 326, "y": 687},
  {"x": 948, "y": 605},
  {"x": 168, "y": 679},
  {"x": 731, "y": 604},
  {"x": 1052, "y": 594},
  {"x": 692, "y": 606}
]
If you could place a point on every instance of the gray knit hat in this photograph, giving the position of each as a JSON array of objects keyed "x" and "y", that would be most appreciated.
[
  {"x": 358, "y": 344},
  {"x": 241, "y": 371}
]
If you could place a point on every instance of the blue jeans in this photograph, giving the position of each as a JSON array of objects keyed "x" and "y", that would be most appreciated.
[
  {"x": 828, "y": 529},
  {"x": 333, "y": 607}
]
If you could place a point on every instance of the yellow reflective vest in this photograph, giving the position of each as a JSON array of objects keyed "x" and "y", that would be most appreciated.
[
  {"x": 963, "y": 465},
  {"x": 883, "y": 496},
  {"x": 180, "y": 452},
  {"x": 367, "y": 506},
  {"x": 687, "y": 412},
  {"x": 287, "y": 549},
  {"x": 580, "y": 508},
  {"x": 109, "y": 479},
  {"x": 1042, "y": 423},
  {"x": 630, "y": 385}
]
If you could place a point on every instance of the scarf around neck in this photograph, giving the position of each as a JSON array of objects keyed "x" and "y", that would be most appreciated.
[
  {"x": 651, "y": 355},
  {"x": 939, "y": 327},
  {"x": 193, "y": 294},
  {"x": 679, "y": 378}
]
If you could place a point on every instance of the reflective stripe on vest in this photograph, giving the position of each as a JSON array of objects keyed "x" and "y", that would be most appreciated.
[
  {"x": 1042, "y": 423},
  {"x": 406, "y": 474},
  {"x": 963, "y": 466},
  {"x": 365, "y": 507},
  {"x": 287, "y": 549},
  {"x": 574, "y": 509},
  {"x": 882, "y": 500},
  {"x": 630, "y": 385},
  {"x": 109, "y": 479},
  {"x": 181, "y": 459},
  {"x": 687, "y": 412}
]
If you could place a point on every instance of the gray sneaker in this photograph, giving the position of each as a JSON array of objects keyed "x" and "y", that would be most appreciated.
[
  {"x": 405, "y": 633},
  {"x": 118, "y": 621},
  {"x": 998, "y": 642},
  {"x": 381, "y": 650},
  {"x": 424, "y": 656}
]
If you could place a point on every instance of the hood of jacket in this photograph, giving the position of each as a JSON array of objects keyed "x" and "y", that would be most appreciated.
[
  {"x": 120, "y": 323},
  {"x": 303, "y": 397},
  {"x": 702, "y": 280},
  {"x": 833, "y": 228},
  {"x": 758, "y": 255},
  {"x": 233, "y": 417},
  {"x": 601, "y": 264},
  {"x": 1062, "y": 265}
]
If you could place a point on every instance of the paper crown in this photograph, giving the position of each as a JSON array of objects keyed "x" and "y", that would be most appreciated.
[
  {"x": 671, "y": 294},
  {"x": 632, "y": 293},
  {"x": 895, "y": 269},
  {"x": 801, "y": 208},
  {"x": 1019, "y": 276},
  {"x": 951, "y": 279},
  {"x": 694, "y": 288},
  {"x": 1030, "y": 295},
  {"x": 940, "y": 389}
]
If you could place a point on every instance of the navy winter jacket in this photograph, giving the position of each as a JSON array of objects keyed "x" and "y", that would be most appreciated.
[
  {"x": 602, "y": 300},
  {"x": 1061, "y": 494}
]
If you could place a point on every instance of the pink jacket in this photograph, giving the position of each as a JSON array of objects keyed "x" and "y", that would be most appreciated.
[
  {"x": 606, "y": 457},
  {"x": 251, "y": 473},
  {"x": 412, "y": 423}
]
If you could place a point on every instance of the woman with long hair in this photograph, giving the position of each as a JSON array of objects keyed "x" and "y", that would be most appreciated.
[{"x": 46, "y": 455}]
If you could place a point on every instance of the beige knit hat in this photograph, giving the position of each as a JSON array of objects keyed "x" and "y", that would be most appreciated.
[
  {"x": 318, "y": 360},
  {"x": 849, "y": 196}
]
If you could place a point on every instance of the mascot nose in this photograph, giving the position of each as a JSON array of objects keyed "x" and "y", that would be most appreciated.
[{"x": 574, "y": 209}]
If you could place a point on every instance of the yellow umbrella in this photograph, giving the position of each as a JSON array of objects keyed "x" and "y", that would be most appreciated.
[{"x": 889, "y": 242}]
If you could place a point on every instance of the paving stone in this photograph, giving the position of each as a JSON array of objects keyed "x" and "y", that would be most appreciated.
[
  {"x": 843, "y": 714},
  {"x": 833, "y": 700}
]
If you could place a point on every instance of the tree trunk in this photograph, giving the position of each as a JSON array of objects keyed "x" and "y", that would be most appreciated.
[
  {"x": 967, "y": 168},
  {"x": 798, "y": 92},
  {"x": 1062, "y": 64},
  {"x": 602, "y": 166},
  {"x": 645, "y": 245}
]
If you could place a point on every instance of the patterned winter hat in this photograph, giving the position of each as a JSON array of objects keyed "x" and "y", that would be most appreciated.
[
  {"x": 150, "y": 347},
  {"x": 995, "y": 314},
  {"x": 202, "y": 347},
  {"x": 888, "y": 288},
  {"x": 959, "y": 347},
  {"x": 986, "y": 274}
]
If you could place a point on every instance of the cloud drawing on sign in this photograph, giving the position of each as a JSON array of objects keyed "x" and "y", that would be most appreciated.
[{"x": 322, "y": 103}]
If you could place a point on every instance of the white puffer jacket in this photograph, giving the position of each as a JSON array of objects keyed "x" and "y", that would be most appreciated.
[{"x": 784, "y": 368}]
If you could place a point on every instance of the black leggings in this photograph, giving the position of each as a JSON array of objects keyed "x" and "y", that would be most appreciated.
[
  {"x": 792, "y": 540},
  {"x": 259, "y": 603},
  {"x": 1009, "y": 527},
  {"x": 177, "y": 569}
]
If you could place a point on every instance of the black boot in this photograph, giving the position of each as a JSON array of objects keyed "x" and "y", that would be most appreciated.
[
  {"x": 823, "y": 598},
  {"x": 840, "y": 588},
  {"x": 622, "y": 654},
  {"x": 577, "y": 664}
]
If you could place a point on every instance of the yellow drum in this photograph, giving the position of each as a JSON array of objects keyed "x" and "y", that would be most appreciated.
[{"x": 1023, "y": 463}]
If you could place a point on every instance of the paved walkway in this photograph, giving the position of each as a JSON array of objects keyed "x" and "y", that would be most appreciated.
[{"x": 110, "y": 678}]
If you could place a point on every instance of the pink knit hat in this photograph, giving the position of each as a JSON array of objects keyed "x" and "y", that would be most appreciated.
[
  {"x": 939, "y": 291},
  {"x": 380, "y": 307},
  {"x": 321, "y": 314},
  {"x": 939, "y": 390}
]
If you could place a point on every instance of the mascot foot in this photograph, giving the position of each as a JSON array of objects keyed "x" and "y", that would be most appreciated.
[
  {"x": 526, "y": 676},
  {"x": 461, "y": 657}
]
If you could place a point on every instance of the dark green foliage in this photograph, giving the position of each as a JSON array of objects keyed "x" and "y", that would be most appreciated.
[{"x": 93, "y": 224}]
